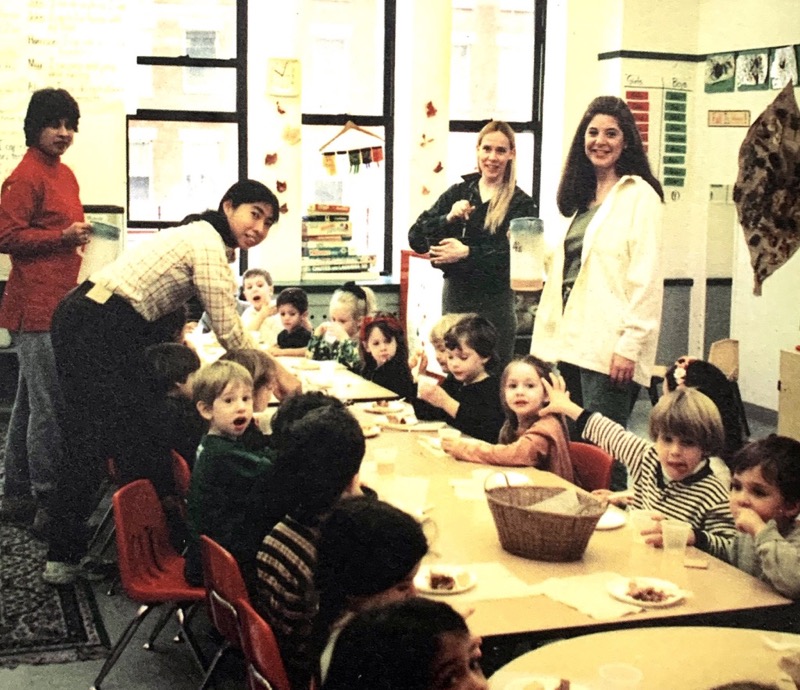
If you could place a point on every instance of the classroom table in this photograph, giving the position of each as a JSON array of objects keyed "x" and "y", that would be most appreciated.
[
  {"x": 690, "y": 658},
  {"x": 462, "y": 532}
]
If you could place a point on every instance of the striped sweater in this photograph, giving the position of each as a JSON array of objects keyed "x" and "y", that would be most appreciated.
[{"x": 699, "y": 499}]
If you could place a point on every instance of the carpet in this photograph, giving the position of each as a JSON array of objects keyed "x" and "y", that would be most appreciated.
[{"x": 40, "y": 624}]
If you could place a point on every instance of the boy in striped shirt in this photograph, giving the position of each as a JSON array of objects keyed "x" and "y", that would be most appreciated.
[{"x": 670, "y": 475}]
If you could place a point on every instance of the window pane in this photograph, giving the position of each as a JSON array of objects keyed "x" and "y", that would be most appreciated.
[
  {"x": 491, "y": 70},
  {"x": 340, "y": 183},
  {"x": 343, "y": 57},
  {"x": 186, "y": 88},
  {"x": 197, "y": 162},
  {"x": 170, "y": 22},
  {"x": 462, "y": 157}
]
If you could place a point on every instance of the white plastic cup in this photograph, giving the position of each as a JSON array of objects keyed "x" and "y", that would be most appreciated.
[
  {"x": 641, "y": 519},
  {"x": 526, "y": 239},
  {"x": 102, "y": 249},
  {"x": 618, "y": 676},
  {"x": 675, "y": 534}
]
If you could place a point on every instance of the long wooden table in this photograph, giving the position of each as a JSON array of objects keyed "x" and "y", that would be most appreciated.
[
  {"x": 690, "y": 658},
  {"x": 465, "y": 534}
]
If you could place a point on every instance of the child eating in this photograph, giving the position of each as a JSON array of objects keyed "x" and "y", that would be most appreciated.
[
  {"x": 260, "y": 314},
  {"x": 527, "y": 438},
  {"x": 765, "y": 502},
  {"x": 385, "y": 354},
  {"x": 293, "y": 340},
  {"x": 469, "y": 398},
  {"x": 671, "y": 475}
]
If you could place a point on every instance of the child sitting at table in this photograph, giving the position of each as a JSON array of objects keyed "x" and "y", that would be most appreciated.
[
  {"x": 292, "y": 304},
  {"x": 385, "y": 355},
  {"x": 337, "y": 338},
  {"x": 527, "y": 438},
  {"x": 261, "y": 315},
  {"x": 469, "y": 398},
  {"x": 416, "y": 644},
  {"x": 369, "y": 553},
  {"x": 671, "y": 475},
  {"x": 419, "y": 362},
  {"x": 318, "y": 460},
  {"x": 765, "y": 502},
  {"x": 170, "y": 368},
  {"x": 225, "y": 470}
]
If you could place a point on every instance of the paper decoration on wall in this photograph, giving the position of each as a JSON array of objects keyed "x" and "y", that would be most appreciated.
[
  {"x": 377, "y": 154},
  {"x": 767, "y": 190},
  {"x": 430, "y": 109},
  {"x": 271, "y": 159},
  {"x": 439, "y": 167},
  {"x": 284, "y": 208},
  {"x": 353, "y": 158},
  {"x": 425, "y": 191},
  {"x": 425, "y": 141},
  {"x": 673, "y": 160},
  {"x": 281, "y": 111},
  {"x": 280, "y": 186},
  {"x": 329, "y": 162},
  {"x": 720, "y": 71},
  {"x": 291, "y": 135},
  {"x": 751, "y": 70},
  {"x": 783, "y": 67},
  {"x": 639, "y": 104}
]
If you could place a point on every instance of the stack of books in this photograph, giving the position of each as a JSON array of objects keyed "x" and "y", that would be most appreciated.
[{"x": 327, "y": 235}]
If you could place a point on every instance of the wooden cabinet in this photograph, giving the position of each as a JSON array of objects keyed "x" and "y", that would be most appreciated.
[{"x": 789, "y": 394}]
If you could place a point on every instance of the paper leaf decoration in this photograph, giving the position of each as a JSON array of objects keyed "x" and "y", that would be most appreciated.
[
  {"x": 271, "y": 159},
  {"x": 767, "y": 190},
  {"x": 425, "y": 191},
  {"x": 281, "y": 111},
  {"x": 284, "y": 208},
  {"x": 439, "y": 167},
  {"x": 280, "y": 186},
  {"x": 430, "y": 109}
]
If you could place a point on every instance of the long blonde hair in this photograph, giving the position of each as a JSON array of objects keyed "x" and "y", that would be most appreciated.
[{"x": 498, "y": 206}]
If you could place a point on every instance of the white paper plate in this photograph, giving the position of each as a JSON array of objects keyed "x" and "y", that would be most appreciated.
[
  {"x": 611, "y": 519},
  {"x": 512, "y": 680},
  {"x": 414, "y": 426},
  {"x": 464, "y": 578},
  {"x": 392, "y": 407},
  {"x": 619, "y": 590}
]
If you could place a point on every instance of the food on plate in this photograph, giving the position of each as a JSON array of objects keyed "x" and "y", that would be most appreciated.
[
  {"x": 442, "y": 581},
  {"x": 647, "y": 593},
  {"x": 563, "y": 684},
  {"x": 381, "y": 403}
]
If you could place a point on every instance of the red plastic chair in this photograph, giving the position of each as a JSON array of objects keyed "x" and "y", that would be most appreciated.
[
  {"x": 224, "y": 588},
  {"x": 182, "y": 474},
  {"x": 265, "y": 669},
  {"x": 150, "y": 569},
  {"x": 591, "y": 465}
]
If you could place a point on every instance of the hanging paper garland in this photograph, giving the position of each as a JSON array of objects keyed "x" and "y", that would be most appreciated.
[
  {"x": 329, "y": 162},
  {"x": 355, "y": 160},
  {"x": 377, "y": 154}
]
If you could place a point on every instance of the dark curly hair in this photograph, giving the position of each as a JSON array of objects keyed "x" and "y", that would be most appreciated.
[{"x": 47, "y": 108}]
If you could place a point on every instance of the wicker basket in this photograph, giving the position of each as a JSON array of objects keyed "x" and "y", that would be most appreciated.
[{"x": 537, "y": 534}]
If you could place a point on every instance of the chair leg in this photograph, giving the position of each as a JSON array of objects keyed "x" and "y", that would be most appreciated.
[
  {"x": 740, "y": 404},
  {"x": 213, "y": 665},
  {"x": 159, "y": 626},
  {"x": 104, "y": 523},
  {"x": 184, "y": 619},
  {"x": 130, "y": 631}
]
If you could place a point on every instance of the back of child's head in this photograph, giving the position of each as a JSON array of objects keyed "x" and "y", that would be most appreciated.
[
  {"x": 169, "y": 364},
  {"x": 688, "y": 414},
  {"x": 779, "y": 460},
  {"x": 257, "y": 273},
  {"x": 358, "y": 300},
  {"x": 390, "y": 327},
  {"x": 211, "y": 380},
  {"x": 366, "y": 547},
  {"x": 317, "y": 458},
  {"x": 476, "y": 332},
  {"x": 260, "y": 365},
  {"x": 745, "y": 685},
  {"x": 393, "y": 647},
  {"x": 709, "y": 380},
  {"x": 443, "y": 325},
  {"x": 295, "y": 407},
  {"x": 295, "y": 297}
]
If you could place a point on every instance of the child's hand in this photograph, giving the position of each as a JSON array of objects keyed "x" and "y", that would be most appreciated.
[
  {"x": 274, "y": 350},
  {"x": 558, "y": 398},
  {"x": 331, "y": 329},
  {"x": 748, "y": 521},
  {"x": 430, "y": 393},
  {"x": 617, "y": 498}
]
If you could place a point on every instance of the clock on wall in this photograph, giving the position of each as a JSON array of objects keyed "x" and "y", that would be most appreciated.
[{"x": 283, "y": 77}]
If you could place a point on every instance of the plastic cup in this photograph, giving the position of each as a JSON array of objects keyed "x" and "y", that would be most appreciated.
[
  {"x": 527, "y": 254},
  {"x": 675, "y": 534},
  {"x": 385, "y": 460},
  {"x": 640, "y": 520},
  {"x": 619, "y": 676}
]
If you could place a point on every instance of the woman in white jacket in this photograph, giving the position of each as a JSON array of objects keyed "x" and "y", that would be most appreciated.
[{"x": 600, "y": 312}]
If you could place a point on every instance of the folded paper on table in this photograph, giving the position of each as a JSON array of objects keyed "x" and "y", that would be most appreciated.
[
  {"x": 564, "y": 503},
  {"x": 588, "y": 594},
  {"x": 495, "y": 581},
  {"x": 471, "y": 489},
  {"x": 407, "y": 493}
]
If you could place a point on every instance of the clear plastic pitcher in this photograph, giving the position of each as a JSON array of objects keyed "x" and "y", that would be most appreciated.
[
  {"x": 102, "y": 248},
  {"x": 527, "y": 254}
]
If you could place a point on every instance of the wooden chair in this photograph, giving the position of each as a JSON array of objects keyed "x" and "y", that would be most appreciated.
[
  {"x": 224, "y": 589},
  {"x": 150, "y": 569},
  {"x": 592, "y": 466},
  {"x": 724, "y": 354},
  {"x": 265, "y": 669}
]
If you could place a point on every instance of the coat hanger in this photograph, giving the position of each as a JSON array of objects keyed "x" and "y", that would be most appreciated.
[{"x": 347, "y": 127}]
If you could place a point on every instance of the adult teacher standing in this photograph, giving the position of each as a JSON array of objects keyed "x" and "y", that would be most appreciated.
[
  {"x": 100, "y": 332},
  {"x": 466, "y": 235},
  {"x": 600, "y": 311}
]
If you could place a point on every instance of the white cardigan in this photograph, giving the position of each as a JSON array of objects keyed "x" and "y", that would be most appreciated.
[{"x": 615, "y": 304}]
